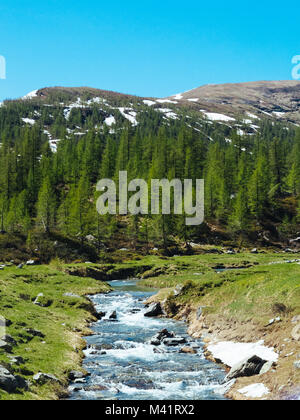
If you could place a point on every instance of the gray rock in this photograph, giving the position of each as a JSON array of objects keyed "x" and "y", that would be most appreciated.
[
  {"x": 44, "y": 378},
  {"x": 173, "y": 342},
  {"x": 74, "y": 375},
  {"x": 9, "y": 339},
  {"x": 16, "y": 360},
  {"x": 154, "y": 310},
  {"x": 254, "y": 251},
  {"x": 113, "y": 316},
  {"x": 5, "y": 346},
  {"x": 160, "y": 336},
  {"x": 9, "y": 382},
  {"x": 249, "y": 367},
  {"x": 20, "y": 266}
]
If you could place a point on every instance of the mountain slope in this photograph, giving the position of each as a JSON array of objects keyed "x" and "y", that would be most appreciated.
[{"x": 277, "y": 99}]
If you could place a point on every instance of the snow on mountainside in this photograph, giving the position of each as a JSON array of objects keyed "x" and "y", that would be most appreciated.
[
  {"x": 239, "y": 107},
  {"x": 276, "y": 99}
]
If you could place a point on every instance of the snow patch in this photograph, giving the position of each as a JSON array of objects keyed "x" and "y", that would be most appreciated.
[
  {"x": 231, "y": 353},
  {"x": 148, "y": 102},
  {"x": 31, "y": 95},
  {"x": 218, "y": 117},
  {"x": 252, "y": 115},
  {"x": 255, "y": 391},
  {"x": 130, "y": 115},
  {"x": 28, "y": 121},
  {"x": 110, "y": 121},
  {"x": 193, "y": 100},
  {"x": 166, "y": 101},
  {"x": 178, "y": 97}
]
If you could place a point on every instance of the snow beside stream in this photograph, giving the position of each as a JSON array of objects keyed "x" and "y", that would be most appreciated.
[{"x": 231, "y": 353}]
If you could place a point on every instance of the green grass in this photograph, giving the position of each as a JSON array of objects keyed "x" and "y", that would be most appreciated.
[
  {"x": 240, "y": 293},
  {"x": 60, "y": 351}
]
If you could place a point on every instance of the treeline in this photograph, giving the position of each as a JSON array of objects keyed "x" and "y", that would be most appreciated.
[{"x": 250, "y": 181}]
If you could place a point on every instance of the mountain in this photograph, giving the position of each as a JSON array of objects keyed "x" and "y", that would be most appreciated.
[
  {"x": 239, "y": 107},
  {"x": 242, "y": 139},
  {"x": 275, "y": 99},
  {"x": 278, "y": 100}
]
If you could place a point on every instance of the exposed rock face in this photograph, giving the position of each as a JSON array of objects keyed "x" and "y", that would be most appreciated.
[
  {"x": 154, "y": 310},
  {"x": 249, "y": 367}
]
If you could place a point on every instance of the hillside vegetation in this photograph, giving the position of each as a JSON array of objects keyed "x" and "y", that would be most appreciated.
[{"x": 56, "y": 146}]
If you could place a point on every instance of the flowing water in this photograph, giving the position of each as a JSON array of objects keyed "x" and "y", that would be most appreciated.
[{"x": 132, "y": 369}]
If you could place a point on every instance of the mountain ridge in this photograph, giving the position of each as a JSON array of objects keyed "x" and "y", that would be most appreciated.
[{"x": 279, "y": 100}]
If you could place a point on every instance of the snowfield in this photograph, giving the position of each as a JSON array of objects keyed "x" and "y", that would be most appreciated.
[
  {"x": 231, "y": 353},
  {"x": 218, "y": 117},
  {"x": 255, "y": 391}
]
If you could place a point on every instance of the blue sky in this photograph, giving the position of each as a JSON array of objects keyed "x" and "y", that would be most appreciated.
[{"x": 153, "y": 48}]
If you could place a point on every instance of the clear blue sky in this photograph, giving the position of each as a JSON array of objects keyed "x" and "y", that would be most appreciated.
[{"x": 148, "y": 48}]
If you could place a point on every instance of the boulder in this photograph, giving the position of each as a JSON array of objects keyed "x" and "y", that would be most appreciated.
[
  {"x": 9, "y": 339},
  {"x": 173, "y": 342},
  {"x": 113, "y": 316},
  {"x": 160, "y": 336},
  {"x": 16, "y": 360},
  {"x": 100, "y": 315},
  {"x": 254, "y": 251},
  {"x": 296, "y": 333},
  {"x": 9, "y": 382},
  {"x": 44, "y": 378},
  {"x": 154, "y": 310},
  {"x": 5, "y": 346},
  {"x": 248, "y": 367}
]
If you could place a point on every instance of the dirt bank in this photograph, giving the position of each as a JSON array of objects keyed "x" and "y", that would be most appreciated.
[{"x": 282, "y": 381}]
